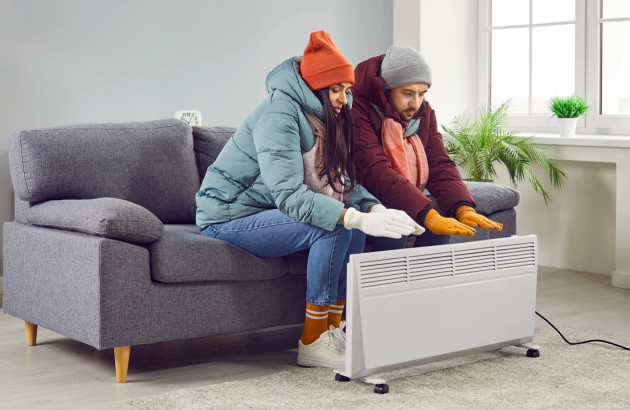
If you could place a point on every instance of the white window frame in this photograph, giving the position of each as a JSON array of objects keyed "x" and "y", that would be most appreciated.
[{"x": 587, "y": 71}]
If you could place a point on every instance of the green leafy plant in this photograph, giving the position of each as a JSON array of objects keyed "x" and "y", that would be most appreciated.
[
  {"x": 573, "y": 106},
  {"x": 476, "y": 145}
]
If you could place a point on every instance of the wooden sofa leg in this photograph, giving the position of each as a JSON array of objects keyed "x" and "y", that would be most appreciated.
[
  {"x": 31, "y": 333},
  {"x": 121, "y": 361}
]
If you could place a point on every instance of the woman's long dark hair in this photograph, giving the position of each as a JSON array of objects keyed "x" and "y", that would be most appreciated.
[{"x": 338, "y": 152}]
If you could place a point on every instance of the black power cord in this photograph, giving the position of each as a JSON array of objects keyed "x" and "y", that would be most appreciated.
[{"x": 579, "y": 343}]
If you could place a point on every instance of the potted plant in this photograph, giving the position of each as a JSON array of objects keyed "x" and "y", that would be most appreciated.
[
  {"x": 477, "y": 145},
  {"x": 568, "y": 110}
]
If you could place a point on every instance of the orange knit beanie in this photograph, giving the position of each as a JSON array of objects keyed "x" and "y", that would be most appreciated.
[{"x": 323, "y": 64}]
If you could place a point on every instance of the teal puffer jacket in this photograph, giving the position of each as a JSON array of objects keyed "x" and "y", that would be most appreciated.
[{"x": 261, "y": 166}]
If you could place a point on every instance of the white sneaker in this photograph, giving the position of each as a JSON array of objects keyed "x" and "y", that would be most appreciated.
[
  {"x": 339, "y": 336},
  {"x": 323, "y": 352}
]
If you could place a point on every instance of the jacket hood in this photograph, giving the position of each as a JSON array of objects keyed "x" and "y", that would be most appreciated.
[
  {"x": 286, "y": 78},
  {"x": 369, "y": 85}
]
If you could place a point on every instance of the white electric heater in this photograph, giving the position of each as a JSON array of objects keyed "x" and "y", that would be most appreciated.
[{"x": 418, "y": 305}]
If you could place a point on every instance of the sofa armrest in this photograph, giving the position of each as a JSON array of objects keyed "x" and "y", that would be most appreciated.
[
  {"x": 79, "y": 285},
  {"x": 491, "y": 197},
  {"x": 110, "y": 218}
]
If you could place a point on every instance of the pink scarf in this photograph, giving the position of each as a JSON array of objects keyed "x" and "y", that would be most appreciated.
[{"x": 397, "y": 149}]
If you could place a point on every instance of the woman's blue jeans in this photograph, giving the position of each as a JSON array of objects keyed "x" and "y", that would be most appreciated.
[
  {"x": 271, "y": 234},
  {"x": 428, "y": 238}
]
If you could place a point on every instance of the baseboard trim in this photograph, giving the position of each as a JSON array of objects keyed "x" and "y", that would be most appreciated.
[{"x": 621, "y": 279}]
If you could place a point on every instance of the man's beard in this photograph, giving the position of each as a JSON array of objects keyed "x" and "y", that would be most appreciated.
[{"x": 408, "y": 113}]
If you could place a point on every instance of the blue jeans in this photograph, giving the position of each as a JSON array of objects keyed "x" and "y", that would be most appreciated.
[
  {"x": 271, "y": 234},
  {"x": 428, "y": 238}
]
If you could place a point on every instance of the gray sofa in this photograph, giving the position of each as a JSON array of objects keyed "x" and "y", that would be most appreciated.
[{"x": 104, "y": 250}]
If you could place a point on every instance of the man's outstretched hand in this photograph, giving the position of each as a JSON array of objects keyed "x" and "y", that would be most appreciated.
[
  {"x": 446, "y": 226},
  {"x": 467, "y": 215}
]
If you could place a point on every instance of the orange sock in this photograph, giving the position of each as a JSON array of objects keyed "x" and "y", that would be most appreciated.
[
  {"x": 334, "y": 314},
  {"x": 315, "y": 323}
]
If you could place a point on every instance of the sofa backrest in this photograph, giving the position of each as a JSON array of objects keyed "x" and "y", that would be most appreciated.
[
  {"x": 148, "y": 163},
  {"x": 209, "y": 141}
]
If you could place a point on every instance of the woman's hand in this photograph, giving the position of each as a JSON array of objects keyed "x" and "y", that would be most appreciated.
[
  {"x": 387, "y": 224},
  {"x": 419, "y": 230}
]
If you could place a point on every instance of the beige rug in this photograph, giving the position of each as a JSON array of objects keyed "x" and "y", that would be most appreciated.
[{"x": 591, "y": 376}]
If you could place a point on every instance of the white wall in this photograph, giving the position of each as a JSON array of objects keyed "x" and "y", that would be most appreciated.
[
  {"x": 84, "y": 61},
  {"x": 406, "y": 23},
  {"x": 447, "y": 37},
  {"x": 448, "y": 40},
  {"x": 577, "y": 230}
]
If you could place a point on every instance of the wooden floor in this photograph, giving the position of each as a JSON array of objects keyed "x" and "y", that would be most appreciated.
[{"x": 60, "y": 373}]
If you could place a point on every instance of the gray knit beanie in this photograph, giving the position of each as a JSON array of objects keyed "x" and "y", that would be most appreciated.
[{"x": 404, "y": 65}]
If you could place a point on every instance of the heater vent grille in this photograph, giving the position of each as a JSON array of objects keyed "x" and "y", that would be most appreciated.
[
  {"x": 514, "y": 256},
  {"x": 383, "y": 272},
  {"x": 460, "y": 261}
]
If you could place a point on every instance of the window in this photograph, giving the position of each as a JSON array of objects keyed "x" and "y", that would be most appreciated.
[{"x": 532, "y": 50}]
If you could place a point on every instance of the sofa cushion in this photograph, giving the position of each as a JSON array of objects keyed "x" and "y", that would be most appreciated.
[
  {"x": 148, "y": 163},
  {"x": 111, "y": 218},
  {"x": 209, "y": 142},
  {"x": 490, "y": 197},
  {"x": 184, "y": 255}
]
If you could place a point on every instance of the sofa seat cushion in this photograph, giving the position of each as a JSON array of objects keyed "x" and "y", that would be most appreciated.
[
  {"x": 184, "y": 255},
  {"x": 111, "y": 218}
]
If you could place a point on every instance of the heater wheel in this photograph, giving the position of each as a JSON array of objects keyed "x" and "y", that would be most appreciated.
[
  {"x": 341, "y": 378},
  {"x": 381, "y": 388},
  {"x": 533, "y": 353}
]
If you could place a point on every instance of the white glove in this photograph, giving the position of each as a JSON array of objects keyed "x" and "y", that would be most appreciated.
[
  {"x": 377, "y": 208},
  {"x": 385, "y": 224},
  {"x": 419, "y": 230}
]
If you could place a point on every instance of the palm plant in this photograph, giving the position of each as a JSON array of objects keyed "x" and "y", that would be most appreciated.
[{"x": 476, "y": 145}]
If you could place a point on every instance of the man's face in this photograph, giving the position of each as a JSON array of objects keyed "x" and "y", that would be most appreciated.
[{"x": 406, "y": 99}]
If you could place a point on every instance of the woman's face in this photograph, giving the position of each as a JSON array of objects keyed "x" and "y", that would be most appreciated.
[{"x": 338, "y": 94}]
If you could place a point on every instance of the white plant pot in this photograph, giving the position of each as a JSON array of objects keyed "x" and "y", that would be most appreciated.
[{"x": 567, "y": 126}]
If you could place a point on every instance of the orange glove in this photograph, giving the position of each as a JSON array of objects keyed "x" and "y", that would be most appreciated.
[
  {"x": 468, "y": 216},
  {"x": 446, "y": 226}
]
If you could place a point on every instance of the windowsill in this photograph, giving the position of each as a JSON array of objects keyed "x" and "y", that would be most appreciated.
[{"x": 583, "y": 140}]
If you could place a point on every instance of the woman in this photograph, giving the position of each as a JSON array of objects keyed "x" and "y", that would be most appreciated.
[{"x": 280, "y": 186}]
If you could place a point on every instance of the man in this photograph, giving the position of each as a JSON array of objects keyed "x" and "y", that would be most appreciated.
[{"x": 399, "y": 151}]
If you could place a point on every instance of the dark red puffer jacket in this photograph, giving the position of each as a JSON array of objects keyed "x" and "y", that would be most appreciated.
[{"x": 377, "y": 174}]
